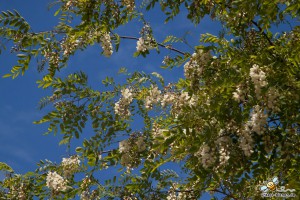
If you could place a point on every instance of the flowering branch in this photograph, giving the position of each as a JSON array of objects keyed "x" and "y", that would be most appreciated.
[{"x": 159, "y": 44}]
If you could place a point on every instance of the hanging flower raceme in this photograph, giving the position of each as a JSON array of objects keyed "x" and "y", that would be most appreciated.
[
  {"x": 258, "y": 77},
  {"x": 194, "y": 67},
  {"x": 255, "y": 124},
  {"x": 70, "y": 165},
  {"x": 272, "y": 99},
  {"x": 56, "y": 182},
  {"x": 258, "y": 120},
  {"x": 153, "y": 98},
  {"x": 207, "y": 155},
  {"x": 144, "y": 44},
  {"x": 122, "y": 106},
  {"x": 106, "y": 45},
  {"x": 239, "y": 94},
  {"x": 130, "y": 150}
]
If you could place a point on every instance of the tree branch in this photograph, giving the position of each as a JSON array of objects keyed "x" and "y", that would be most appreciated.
[
  {"x": 228, "y": 195},
  {"x": 159, "y": 44},
  {"x": 261, "y": 30}
]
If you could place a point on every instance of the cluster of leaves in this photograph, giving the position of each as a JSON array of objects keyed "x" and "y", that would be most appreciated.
[{"x": 246, "y": 40}]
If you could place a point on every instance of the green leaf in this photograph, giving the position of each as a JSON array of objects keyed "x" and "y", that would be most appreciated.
[
  {"x": 7, "y": 75},
  {"x": 56, "y": 13},
  {"x": 5, "y": 167},
  {"x": 65, "y": 141}
]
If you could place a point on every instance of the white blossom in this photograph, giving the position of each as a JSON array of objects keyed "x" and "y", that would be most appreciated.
[
  {"x": 85, "y": 195},
  {"x": 144, "y": 44},
  {"x": 70, "y": 165},
  {"x": 272, "y": 97},
  {"x": 141, "y": 144},
  {"x": 246, "y": 144},
  {"x": 141, "y": 46},
  {"x": 246, "y": 141},
  {"x": 122, "y": 106},
  {"x": 258, "y": 77},
  {"x": 258, "y": 120},
  {"x": 224, "y": 156},
  {"x": 168, "y": 98},
  {"x": 172, "y": 194},
  {"x": 106, "y": 45},
  {"x": 124, "y": 146},
  {"x": 153, "y": 98},
  {"x": 207, "y": 155},
  {"x": 127, "y": 94},
  {"x": 130, "y": 5},
  {"x": 239, "y": 95},
  {"x": 194, "y": 67},
  {"x": 56, "y": 182},
  {"x": 126, "y": 160}
]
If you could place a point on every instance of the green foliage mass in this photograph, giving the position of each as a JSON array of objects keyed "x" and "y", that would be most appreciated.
[{"x": 231, "y": 123}]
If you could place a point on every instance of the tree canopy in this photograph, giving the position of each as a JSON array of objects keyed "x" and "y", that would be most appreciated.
[{"x": 230, "y": 124}]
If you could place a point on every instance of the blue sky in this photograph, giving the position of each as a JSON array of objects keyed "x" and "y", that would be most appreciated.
[{"x": 22, "y": 143}]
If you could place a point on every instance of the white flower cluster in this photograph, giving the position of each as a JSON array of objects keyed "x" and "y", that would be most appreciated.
[
  {"x": 70, "y": 3},
  {"x": 157, "y": 131},
  {"x": 129, "y": 157},
  {"x": 106, "y": 45},
  {"x": 166, "y": 60},
  {"x": 124, "y": 146},
  {"x": 176, "y": 100},
  {"x": 239, "y": 94},
  {"x": 121, "y": 107},
  {"x": 246, "y": 141},
  {"x": 194, "y": 67},
  {"x": 172, "y": 195},
  {"x": 207, "y": 155},
  {"x": 223, "y": 142},
  {"x": 144, "y": 44},
  {"x": 130, "y": 5},
  {"x": 167, "y": 99},
  {"x": 56, "y": 182},
  {"x": 70, "y": 165},
  {"x": 129, "y": 197},
  {"x": 154, "y": 97},
  {"x": 141, "y": 145},
  {"x": 182, "y": 100},
  {"x": 126, "y": 160},
  {"x": 69, "y": 45},
  {"x": 17, "y": 192},
  {"x": 224, "y": 155},
  {"x": 85, "y": 195},
  {"x": 272, "y": 96},
  {"x": 185, "y": 195},
  {"x": 258, "y": 77},
  {"x": 53, "y": 57},
  {"x": 258, "y": 120}
]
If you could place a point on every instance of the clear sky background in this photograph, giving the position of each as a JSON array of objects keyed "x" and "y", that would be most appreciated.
[{"x": 22, "y": 144}]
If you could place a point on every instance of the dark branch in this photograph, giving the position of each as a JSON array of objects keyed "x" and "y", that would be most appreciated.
[
  {"x": 228, "y": 195},
  {"x": 264, "y": 34}
]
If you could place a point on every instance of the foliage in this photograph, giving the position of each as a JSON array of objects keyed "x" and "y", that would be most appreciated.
[{"x": 229, "y": 124}]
